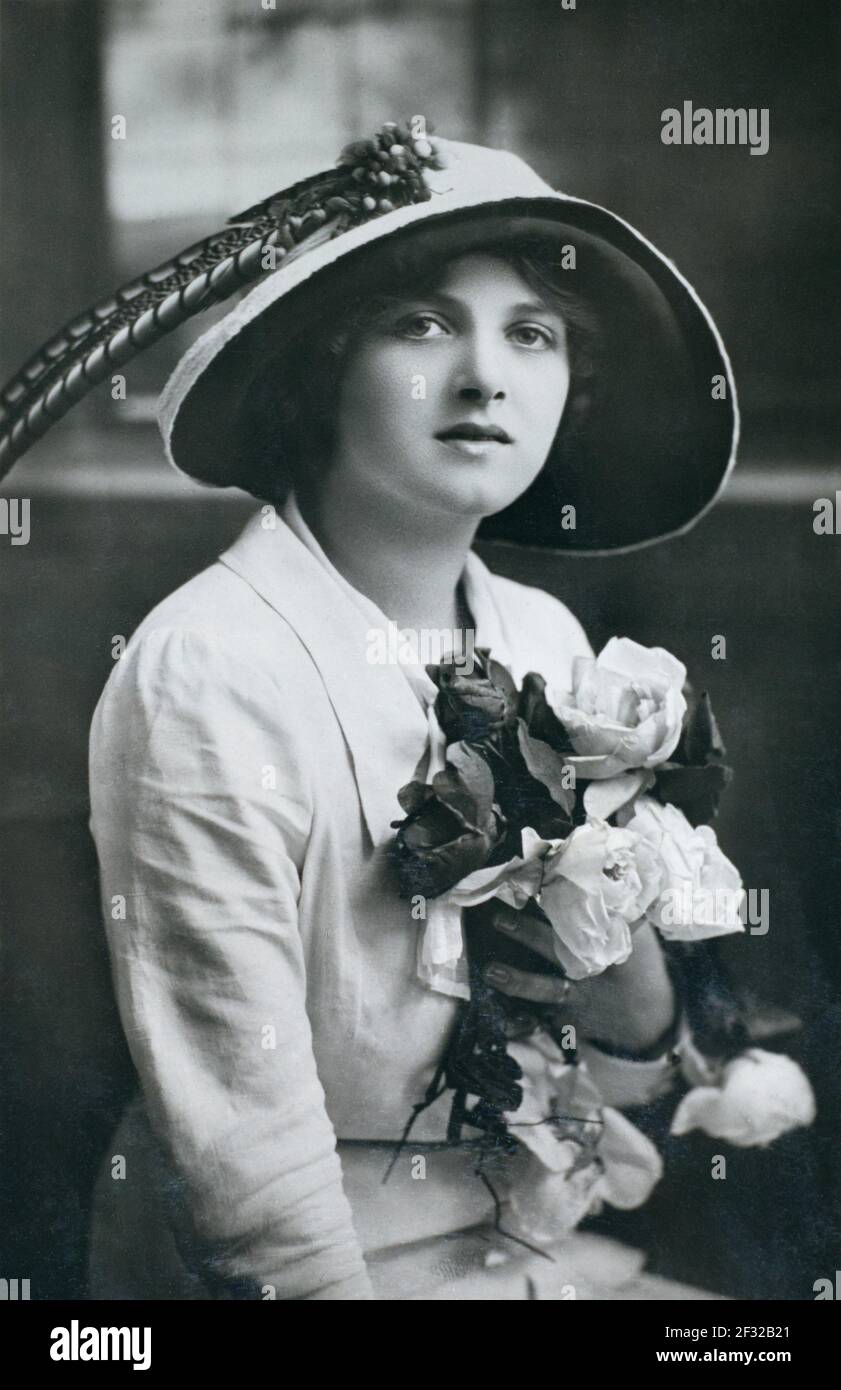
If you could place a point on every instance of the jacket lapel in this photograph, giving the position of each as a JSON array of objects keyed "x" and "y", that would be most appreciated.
[{"x": 384, "y": 726}]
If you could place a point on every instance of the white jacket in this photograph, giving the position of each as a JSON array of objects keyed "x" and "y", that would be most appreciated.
[{"x": 244, "y": 763}]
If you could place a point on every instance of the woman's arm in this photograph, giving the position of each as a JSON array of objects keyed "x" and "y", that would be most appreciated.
[
  {"x": 628, "y": 1019},
  {"x": 201, "y": 816}
]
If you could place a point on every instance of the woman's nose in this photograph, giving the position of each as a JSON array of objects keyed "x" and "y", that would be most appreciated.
[
  {"x": 479, "y": 394},
  {"x": 479, "y": 376}
]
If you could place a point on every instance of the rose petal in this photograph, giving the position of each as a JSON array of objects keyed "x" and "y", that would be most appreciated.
[
  {"x": 631, "y": 659},
  {"x": 602, "y": 799},
  {"x": 633, "y": 1167}
]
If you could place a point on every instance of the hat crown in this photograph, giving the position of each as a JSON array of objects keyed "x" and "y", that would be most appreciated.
[{"x": 475, "y": 173}]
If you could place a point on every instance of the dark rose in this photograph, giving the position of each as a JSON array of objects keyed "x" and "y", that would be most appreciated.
[
  {"x": 451, "y": 827},
  {"x": 528, "y": 776},
  {"x": 472, "y": 704}
]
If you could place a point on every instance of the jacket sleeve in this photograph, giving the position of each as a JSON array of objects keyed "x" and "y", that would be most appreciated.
[{"x": 201, "y": 816}]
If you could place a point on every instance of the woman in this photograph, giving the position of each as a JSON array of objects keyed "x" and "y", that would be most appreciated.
[{"x": 480, "y": 356}]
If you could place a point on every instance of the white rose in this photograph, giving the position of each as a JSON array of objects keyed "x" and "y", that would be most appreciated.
[
  {"x": 595, "y": 885},
  {"x": 762, "y": 1095},
  {"x": 544, "y": 1205},
  {"x": 702, "y": 890},
  {"x": 575, "y": 1152},
  {"x": 551, "y": 1086},
  {"x": 625, "y": 709}
]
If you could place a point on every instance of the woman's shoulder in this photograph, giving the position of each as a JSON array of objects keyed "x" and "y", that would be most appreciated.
[
  {"x": 212, "y": 640},
  {"x": 219, "y": 613},
  {"x": 215, "y": 603}
]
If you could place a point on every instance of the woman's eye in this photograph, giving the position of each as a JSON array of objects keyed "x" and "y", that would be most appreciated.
[
  {"x": 420, "y": 326},
  {"x": 531, "y": 335}
]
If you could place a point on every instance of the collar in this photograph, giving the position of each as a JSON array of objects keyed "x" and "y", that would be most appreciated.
[
  {"x": 383, "y": 722},
  {"x": 414, "y": 672}
]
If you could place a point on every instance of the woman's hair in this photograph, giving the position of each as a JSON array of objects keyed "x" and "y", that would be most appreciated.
[{"x": 296, "y": 392}]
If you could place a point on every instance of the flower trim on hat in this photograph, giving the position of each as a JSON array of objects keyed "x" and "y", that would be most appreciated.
[{"x": 372, "y": 177}]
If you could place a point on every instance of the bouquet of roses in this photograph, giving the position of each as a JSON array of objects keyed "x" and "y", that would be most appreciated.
[{"x": 590, "y": 807}]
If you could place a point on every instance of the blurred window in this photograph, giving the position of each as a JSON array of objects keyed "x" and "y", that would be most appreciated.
[{"x": 227, "y": 101}]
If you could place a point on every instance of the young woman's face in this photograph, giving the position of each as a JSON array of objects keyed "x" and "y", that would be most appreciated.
[{"x": 451, "y": 401}]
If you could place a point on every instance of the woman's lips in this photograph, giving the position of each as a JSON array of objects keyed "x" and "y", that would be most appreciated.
[
  {"x": 471, "y": 448},
  {"x": 474, "y": 441},
  {"x": 470, "y": 429}
]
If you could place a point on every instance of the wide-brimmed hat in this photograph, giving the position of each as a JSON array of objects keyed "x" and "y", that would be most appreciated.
[{"x": 645, "y": 458}]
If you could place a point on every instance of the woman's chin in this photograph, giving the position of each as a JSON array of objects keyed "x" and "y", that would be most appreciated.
[
  {"x": 482, "y": 502},
  {"x": 479, "y": 494}
]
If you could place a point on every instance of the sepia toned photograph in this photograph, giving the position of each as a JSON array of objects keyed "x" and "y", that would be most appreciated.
[{"x": 420, "y": 549}]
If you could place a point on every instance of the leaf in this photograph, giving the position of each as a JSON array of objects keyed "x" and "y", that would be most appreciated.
[
  {"x": 695, "y": 791},
  {"x": 604, "y": 799},
  {"x": 703, "y": 740},
  {"x": 765, "y": 1021},
  {"x": 546, "y": 766},
  {"x": 541, "y": 720},
  {"x": 475, "y": 774}
]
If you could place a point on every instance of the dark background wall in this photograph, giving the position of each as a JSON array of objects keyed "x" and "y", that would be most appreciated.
[{"x": 580, "y": 94}]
